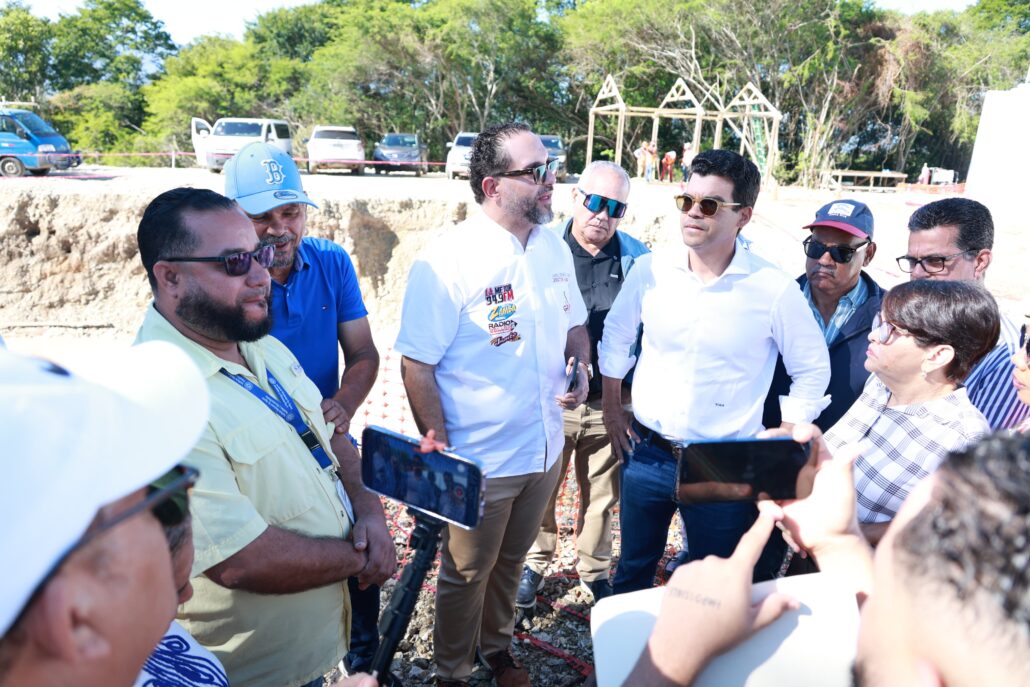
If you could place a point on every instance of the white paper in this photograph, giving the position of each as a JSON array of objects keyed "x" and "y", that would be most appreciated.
[{"x": 813, "y": 646}]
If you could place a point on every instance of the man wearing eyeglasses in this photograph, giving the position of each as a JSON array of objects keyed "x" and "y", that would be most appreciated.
[
  {"x": 952, "y": 239},
  {"x": 317, "y": 310},
  {"x": 88, "y": 588},
  {"x": 843, "y": 298},
  {"x": 280, "y": 518},
  {"x": 603, "y": 256},
  {"x": 491, "y": 321},
  {"x": 714, "y": 317}
]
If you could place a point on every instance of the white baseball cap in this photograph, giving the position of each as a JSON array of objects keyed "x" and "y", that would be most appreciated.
[{"x": 77, "y": 439}]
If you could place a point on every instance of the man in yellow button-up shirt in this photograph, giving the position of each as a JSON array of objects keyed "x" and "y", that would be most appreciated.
[{"x": 279, "y": 522}]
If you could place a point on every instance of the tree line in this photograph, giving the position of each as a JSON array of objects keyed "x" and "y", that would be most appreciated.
[{"x": 859, "y": 87}]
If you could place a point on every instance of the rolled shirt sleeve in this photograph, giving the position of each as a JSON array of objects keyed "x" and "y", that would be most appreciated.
[
  {"x": 430, "y": 314},
  {"x": 615, "y": 351},
  {"x": 805, "y": 357}
]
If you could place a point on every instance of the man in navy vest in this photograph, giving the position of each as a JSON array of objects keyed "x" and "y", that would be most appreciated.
[{"x": 844, "y": 300}]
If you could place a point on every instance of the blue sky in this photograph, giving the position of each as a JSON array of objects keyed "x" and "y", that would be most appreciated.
[{"x": 187, "y": 19}]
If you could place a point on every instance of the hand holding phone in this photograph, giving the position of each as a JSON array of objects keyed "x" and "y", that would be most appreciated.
[{"x": 572, "y": 377}]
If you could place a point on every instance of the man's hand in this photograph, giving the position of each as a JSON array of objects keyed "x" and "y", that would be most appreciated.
[
  {"x": 578, "y": 395},
  {"x": 371, "y": 535},
  {"x": 616, "y": 420},
  {"x": 714, "y": 595},
  {"x": 336, "y": 414},
  {"x": 429, "y": 443}
]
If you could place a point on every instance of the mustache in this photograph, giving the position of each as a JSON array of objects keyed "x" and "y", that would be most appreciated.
[{"x": 276, "y": 240}]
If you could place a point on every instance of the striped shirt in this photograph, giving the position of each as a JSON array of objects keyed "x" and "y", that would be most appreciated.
[
  {"x": 901, "y": 445},
  {"x": 846, "y": 307},
  {"x": 990, "y": 383}
]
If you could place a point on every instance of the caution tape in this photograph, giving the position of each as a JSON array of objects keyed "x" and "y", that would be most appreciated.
[{"x": 177, "y": 153}]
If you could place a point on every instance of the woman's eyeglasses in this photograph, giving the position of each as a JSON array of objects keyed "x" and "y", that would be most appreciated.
[
  {"x": 237, "y": 264},
  {"x": 884, "y": 330},
  {"x": 708, "y": 206},
  {"x": 840, "y": 254},
  {"x": 539, "y": 172},
  {"x": 594, "y": 202}
]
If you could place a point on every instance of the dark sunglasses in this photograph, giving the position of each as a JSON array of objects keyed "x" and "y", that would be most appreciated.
[
  {"x": 931, "y": 264},
  {"x": 167, "y": 499},
  {"x": 841, "y": 254},
  {"x": 237, "y": 264},
  {"x": 1023, "y": 342},
  {"x": 539, "y": 172},
  {"x": 708, "y": 206},
  {"x": 594, "y": 202}
]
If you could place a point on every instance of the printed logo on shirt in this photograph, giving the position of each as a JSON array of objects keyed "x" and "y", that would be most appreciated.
[
  {"x": 502, "y": 327},
  {"x": 561, "y": 277},
  {"x": 499, "y": 294},
  {"x": 506, "y": 338},
  {"x": 501, "y": 312}
]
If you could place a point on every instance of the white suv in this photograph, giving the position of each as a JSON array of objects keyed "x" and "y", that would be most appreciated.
[
  {"x": 214, "y": 145},
  {"x": 458, "y": 156},
  {"x": 336, "y": 147}
]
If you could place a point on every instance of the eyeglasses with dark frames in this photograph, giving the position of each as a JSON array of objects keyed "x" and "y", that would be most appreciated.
[
  {"x": 539, "y": 172},
  {"x": 1024, "y": 343},
  {"x": 167, "y": 499},
  {"x": 840, "y": 254},
  {"x": 931, "y": 264},
  {"x": 236, "y": 264},
  {"x": 708, "y": 206},
  {"x": 594, "y": 202}
]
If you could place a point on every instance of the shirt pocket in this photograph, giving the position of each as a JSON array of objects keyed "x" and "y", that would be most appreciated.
[{"x": 280, "y": 483}]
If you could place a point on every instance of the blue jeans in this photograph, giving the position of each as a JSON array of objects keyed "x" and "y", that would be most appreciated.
[
  {"x": 646, "y": 506},
  {"x": 364, "y": 627}
]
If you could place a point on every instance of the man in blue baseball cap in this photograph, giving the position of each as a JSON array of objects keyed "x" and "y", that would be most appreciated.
[
  {"x": 844, "y": 300},
  {"x": 316, "y": 309}
]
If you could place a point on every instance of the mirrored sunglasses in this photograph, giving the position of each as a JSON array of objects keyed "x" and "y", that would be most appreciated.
[
  {"x": 539, "y": 172},
  {"x": 594, "y": 202}
]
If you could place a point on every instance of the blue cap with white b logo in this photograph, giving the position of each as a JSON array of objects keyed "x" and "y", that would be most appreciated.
[{"x": 261, "y": 177}]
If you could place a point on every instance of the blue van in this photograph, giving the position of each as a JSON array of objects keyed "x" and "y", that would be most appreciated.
[{"x": 27, "y": 142}]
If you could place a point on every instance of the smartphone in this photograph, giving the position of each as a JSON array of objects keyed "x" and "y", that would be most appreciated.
[
  {"x": 739, "y": 469},
  {"x": 572, "y": 377},
  {"x": 439, "y": 483}
]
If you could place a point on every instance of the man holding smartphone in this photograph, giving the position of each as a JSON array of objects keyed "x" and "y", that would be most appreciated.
[
  {"x": 603, "y": 256},
  {"x": 491, "y": 320},
  {"x": 714, "y": 318}
]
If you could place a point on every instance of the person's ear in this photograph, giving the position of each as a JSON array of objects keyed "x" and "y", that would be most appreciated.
[
  {"x": 981, "y": 262},
  {"x": 870, "y": 251},
  {"x": 61, "y": 622},
  {"x": 167, "y": 276},
  {"x": 937, "y": 357},
  {"x": 490, "y": 187},
  {"x": 743, "y": 217}
]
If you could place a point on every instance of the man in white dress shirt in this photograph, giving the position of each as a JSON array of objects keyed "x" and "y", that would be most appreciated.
[
  {"x": 714, "y": 318},
  {"x": 492, "y": 313}
]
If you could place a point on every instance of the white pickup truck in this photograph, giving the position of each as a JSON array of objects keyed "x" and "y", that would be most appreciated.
[{"x": 214, "y": 145}]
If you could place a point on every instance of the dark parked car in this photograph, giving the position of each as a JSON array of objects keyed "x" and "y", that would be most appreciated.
[{"x": 404, "y": 152}]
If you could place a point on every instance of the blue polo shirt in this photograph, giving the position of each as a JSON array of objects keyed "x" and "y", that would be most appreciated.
[{"x": 320, "y": 294}]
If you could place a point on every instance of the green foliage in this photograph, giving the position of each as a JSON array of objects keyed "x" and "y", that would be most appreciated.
[
  {"x": 293, "y": 33},
  {"x": 24, "y": 52}
]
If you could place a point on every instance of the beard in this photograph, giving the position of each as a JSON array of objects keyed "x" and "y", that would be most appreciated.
[
  {"x": 281, "y": 259},
  {"x": 220, "y": 321},
  {"x": 529, "y": 210}
]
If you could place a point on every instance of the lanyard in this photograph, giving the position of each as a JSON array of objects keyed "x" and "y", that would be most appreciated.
[{"x": 285, "y": 408}]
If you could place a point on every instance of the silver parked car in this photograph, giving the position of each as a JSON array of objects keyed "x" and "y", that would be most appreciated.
[{"x": 556, "y": 149}]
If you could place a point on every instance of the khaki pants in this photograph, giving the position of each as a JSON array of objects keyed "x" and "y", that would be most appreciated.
[
  {"x": 597, "y": 473},
  {"x": 480, "y": 569}
]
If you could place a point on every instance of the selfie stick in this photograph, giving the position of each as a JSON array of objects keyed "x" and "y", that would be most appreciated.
[{"x": 425, "y": 541}]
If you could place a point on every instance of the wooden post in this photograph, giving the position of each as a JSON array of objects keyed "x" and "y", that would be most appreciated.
[
  {"x": 618, "y": 138},
  {"x": 718, "y": 133},
  {"x": 590, "y": 138}
]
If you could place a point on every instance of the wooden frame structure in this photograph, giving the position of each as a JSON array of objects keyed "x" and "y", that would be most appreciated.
[{"x": 750, "y": 115}]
